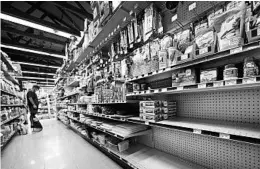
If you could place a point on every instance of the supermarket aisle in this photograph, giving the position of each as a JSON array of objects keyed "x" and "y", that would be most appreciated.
[{"x": 56, "y": 147}]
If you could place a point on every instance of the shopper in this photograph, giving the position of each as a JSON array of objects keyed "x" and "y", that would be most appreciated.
[{"x": 33, "y": 104}]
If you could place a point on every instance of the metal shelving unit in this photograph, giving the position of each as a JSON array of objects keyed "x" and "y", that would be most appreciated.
[
  {"x": 8, "y": 140},
  {"x": 5, "y": 92},
  {"x": 117, "y": 135},
  {"x": 136, "y": 156}
]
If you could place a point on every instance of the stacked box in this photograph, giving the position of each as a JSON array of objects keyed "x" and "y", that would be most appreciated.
[{"x": 157, "y": 110}]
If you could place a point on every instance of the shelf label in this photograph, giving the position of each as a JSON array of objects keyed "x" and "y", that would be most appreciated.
[
  {"x": 192, "y": 6},
  {"x": 258, "y": 31},
  {"x": 249, "y": 80},
  {"x": 196, "y": 131},
  {"x": 202, "y": 85},
  {"x": 174, "y": 18},
  {"x": 236, "y": 50},
  {"x": 184, "y": 57},
  {"x": 179, "y": 88},
  {"x": 231, "y": 82},
  {"x": 146, "y": 123},
  {"x": 218, "y": 84},
  {"x": 224, "y": 136},
  {"x": 164, "y": 90},
  {"x": 203, "y": 50},
  {"x": 160, "y": 30}
]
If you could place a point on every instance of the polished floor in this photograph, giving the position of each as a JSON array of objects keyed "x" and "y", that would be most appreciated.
[{"x": 56, "y": 147}]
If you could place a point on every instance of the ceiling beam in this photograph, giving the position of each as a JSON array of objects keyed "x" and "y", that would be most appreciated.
[
  {"x": 38, "y": 65},
  {"x": 24, "y": 33},
  {"x": 39, "y": 78},
  {"x": 33, "y": 49},
  {"x": 54, "y": 17},
  {"x": 11, "y": 11},
  {"x": 73, "y": 9},
  {"x": 70, "y": 19},
  {"x": 40, "y": 73}
]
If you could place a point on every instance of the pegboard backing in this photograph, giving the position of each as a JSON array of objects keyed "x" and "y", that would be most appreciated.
[
  {"x": 207, "y": 151},
  {"x": 236, "y": 106}
]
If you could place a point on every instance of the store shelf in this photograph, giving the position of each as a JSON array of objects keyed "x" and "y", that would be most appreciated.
[
  {"x": 11, "y": 119},
  {"x": 8, "y": 140},
  {"x": 142, "y": 157},
  {"x": 237, "y": 84},
  {"x": 254, "y": 47},
  {"x": 8, "y": 93},
  {"x": 7, "y": 62},
  {"x": 117, "y": 135},
  {"x": 13, "y": 105},
  {"x": 110, "y": 117},
  {"x": 124, "y": 102},
  {"x": 119, "y": 19},
  {"x": 9, "y": 77},
  {"x": 244, "y": 132},
  {"x": 73, "y": 94}
]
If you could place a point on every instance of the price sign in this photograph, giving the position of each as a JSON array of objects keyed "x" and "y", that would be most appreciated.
[
  {"x": 174, "y": 18},
  {"x": 224, "y": 136},
  {"x": 202, "y": 85},
  {"x": 236, "y": 50},
  {"x": 196, "y": 131},
  {"x": 184, "y": 57},
  {"x": 249, "y": 80}
]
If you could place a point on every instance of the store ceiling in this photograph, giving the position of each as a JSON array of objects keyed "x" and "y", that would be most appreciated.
[{"x": 61, "y": 16}]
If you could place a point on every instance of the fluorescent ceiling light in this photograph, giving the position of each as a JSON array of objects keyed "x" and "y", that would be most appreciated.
[
  {"x": 27, "y": 77},
  {"x": 33, "y": 51},
  {"x": 35, "y": 25},
  {"x": 41, "y": 73},
  {"x": 34, "y": 64}
]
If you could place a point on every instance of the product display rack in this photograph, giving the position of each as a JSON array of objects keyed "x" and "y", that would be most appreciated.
[
  {"x": 8, "y": 140},
  {"x": 217, "y": 122},
  {"x": 8, "y": 93},
  {"x": 136, "y": 155},
  {"x": 253, "y": 47},
  {"x": 13, "y": 118}
]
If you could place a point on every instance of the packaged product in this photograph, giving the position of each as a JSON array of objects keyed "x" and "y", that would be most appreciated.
[
  {"x": 153, "y": 111},
  {"x": 163, "y": 59},
  {"x": 250, "y": 67},
  {"x": 154, "y": 53},
  {"x": 208, "y": 75},
  {"x": 173, "y": 55},
  {"x": 182, "y": 40},
  {"x": 230, "y": 25},
  {"x": 214, "y": 14},
  {"x": 166, "y": 42},
  {"x": 150, "y": 104},
  {"x": 205, "y": 42},
  {"x": 151, "y": 117},
  {"x": 104, "y": 9},
  {"x": 230, "y": 72},
  {"x": 150, "y": 21},
  {"x": 187, "y": 77},
  {"x": 131, "y": 37},
  {"x": 200, "y": 27}
]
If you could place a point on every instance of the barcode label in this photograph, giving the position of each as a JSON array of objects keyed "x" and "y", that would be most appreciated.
[
  {"x": 203, "y": 50},
  {"x": 225, "y": 136},
  {"x": 203, "y": 85},
  {"x": 180, "y": 88},
  {"x": 196, "y": 131}
]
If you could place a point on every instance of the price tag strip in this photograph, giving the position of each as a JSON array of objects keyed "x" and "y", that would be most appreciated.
[
  {"x": 218, "y": 84},
  {"x": 249, "y": 80},
  {"x": 231, "y": 82}
]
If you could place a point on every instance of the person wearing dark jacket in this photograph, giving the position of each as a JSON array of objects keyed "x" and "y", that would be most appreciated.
[{"x": 33, "y": 104}]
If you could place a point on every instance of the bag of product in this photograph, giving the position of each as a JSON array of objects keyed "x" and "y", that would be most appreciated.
[
  {"x": 204, "y": 41},
  {"x": 230, "y": 25}
]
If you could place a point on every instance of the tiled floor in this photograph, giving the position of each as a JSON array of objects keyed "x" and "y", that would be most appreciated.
[{"x": 56, "y": 147}]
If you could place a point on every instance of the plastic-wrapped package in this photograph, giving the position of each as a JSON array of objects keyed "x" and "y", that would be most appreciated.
[
  {"x": 166, "y": 42},
  {"x": 212, "y": 16},
  {"x": 230, "y": 25},
  {"x": 182, "y": 40},
  {"x": 230, "y": 72},
  {"x": 155, "y": 47},
  {"x": 150, "y": 21},
  {"x": 250, "y": 67},
  {"x": 205, "y": 41}
]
